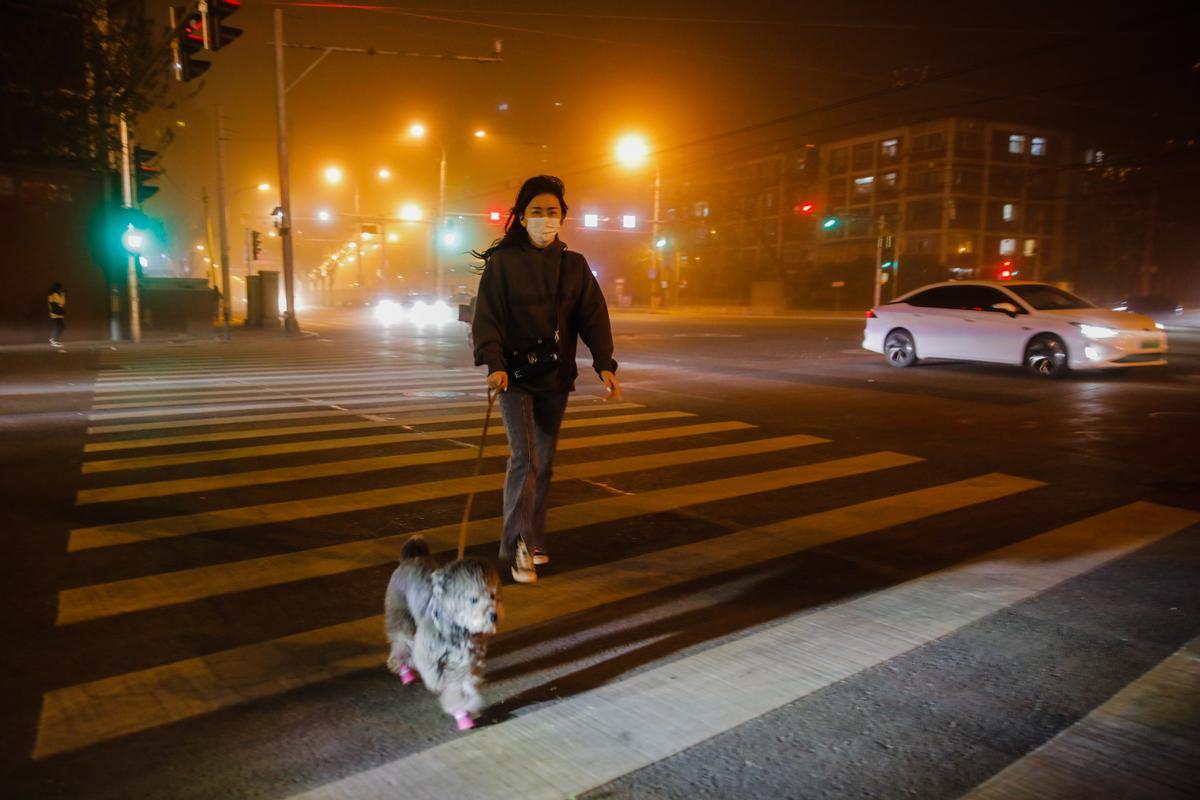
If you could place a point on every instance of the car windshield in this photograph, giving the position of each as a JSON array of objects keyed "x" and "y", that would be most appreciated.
[{"x": 1047, "y": 298}]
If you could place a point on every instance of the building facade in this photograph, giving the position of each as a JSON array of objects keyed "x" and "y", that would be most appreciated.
[{"x": 962, "y": 197}]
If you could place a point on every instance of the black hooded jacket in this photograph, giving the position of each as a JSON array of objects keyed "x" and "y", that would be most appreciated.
[{"x": 515, "y": 308}]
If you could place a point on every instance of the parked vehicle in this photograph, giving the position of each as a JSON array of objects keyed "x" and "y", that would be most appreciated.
[
  {"x": 1042, "y": 327},
  {"x": 1157, "y": 307}
]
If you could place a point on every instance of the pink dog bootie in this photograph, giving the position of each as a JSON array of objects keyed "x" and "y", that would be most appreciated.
[
  {"x": 406, "y": 675},
  {"x": 463, "y": 720}
]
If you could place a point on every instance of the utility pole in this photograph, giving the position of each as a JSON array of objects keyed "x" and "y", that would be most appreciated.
[
  {"x": 222, "y": 224},
  {"x": 290, "y": 325},
  {"x": 655, "y": 250},
  {"x": 135, "y": 321},
  {"x": 437, "y": 225},
  {"x": 879, "y": 259}
]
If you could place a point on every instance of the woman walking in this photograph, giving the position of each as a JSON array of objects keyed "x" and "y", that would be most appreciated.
[
  {"x": 535, "y": 297},
  {"x": 56, "y": 304}
]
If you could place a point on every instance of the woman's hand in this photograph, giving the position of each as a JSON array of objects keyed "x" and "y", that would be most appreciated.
[
  {"x": 612, "y": 384},
  {"x": 498, "y": 381}
]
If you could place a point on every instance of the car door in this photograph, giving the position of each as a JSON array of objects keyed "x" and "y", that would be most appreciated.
[
  {"x": 989, "y": 334},
  {"x": 932, "y": 320}
]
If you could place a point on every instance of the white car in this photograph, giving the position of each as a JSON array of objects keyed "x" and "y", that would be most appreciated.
[{"x": 1011, "y": 322}]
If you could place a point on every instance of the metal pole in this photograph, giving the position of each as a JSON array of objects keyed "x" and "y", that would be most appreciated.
[
  {"x": 135, "y": 321},
  {"x": 222, "y": 223},
  {"x": 437, "y": 226},
  {"x": 655, "y": 255},
  {"x": 383, "y": 265},
  {"x": 879, "y": 260},
  {"x": 290, "y": 325}
]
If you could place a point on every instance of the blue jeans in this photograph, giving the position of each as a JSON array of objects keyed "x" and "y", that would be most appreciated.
[{"x": 531, "y": 422}]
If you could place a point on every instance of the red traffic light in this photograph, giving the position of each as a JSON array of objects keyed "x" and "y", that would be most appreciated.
[
  {"x": 806, "y": 207},
  {"x": 494, "y": 216}
]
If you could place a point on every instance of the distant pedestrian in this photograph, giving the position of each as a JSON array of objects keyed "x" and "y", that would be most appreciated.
[
  {"x": 56, "y": 302},
  {"x": 535, "y": 297}
]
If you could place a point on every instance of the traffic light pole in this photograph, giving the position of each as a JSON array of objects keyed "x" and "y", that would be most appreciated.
[
  {"x": 879, "y": 260},
  {"x": 290, "y": 325},
  {"x": 135, "y": 321},
  {"x": 222, "y": 224}
]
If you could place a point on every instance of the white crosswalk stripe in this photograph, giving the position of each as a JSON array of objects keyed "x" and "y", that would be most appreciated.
[{"x": 195, "y": 432}]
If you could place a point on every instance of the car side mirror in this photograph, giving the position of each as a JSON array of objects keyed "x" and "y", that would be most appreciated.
[{"x": 1007, "y": 308}]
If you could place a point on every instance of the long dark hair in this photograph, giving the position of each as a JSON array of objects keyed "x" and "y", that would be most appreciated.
[{"x": 515, "y": 234}]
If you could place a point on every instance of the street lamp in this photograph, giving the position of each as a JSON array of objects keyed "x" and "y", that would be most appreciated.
[
  {"x": 632, "y": 151},
  {"x": 419, "y": 132}
]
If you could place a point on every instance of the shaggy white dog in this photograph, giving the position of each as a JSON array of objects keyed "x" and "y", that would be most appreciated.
[{"x": 439, "y": 621}]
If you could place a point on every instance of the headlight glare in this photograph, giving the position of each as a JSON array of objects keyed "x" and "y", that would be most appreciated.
[{"x": 1097, "y": 331}]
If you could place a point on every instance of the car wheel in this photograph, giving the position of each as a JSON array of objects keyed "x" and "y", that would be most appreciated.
[
  {"x": 900, "y": 349},
  {"x": 1046, "y": 356}
]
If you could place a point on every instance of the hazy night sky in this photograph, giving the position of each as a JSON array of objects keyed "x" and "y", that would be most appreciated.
[{"x": 577, "y": 75}]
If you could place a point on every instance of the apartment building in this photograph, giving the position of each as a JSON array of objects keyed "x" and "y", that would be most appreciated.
[{"x": 963, "y": 197}]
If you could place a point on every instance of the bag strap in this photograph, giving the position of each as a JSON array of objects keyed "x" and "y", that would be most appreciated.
[{"x": 558, "y": 295}]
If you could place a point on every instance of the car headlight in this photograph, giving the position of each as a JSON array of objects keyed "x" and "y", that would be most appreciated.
[{"x": 1097, "y": 331}]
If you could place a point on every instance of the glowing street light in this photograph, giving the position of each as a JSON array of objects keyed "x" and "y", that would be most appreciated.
[
  {"x": 416, "y": 130},
  {"x": 384, "y": 174},
  {"x": 393, "y": 237},
  {"x": 334, "y": 174},
  {"x": 410, "y": 212},
  {"x": 479, "y": 134},
  {"x": 264, "y": 187},
  {"x": 632, "y": 150},
  {"x": 324, "y": 215}
]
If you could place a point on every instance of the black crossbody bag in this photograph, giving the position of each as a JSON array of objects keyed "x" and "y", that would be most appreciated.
[{"x": 543, "y": 356}]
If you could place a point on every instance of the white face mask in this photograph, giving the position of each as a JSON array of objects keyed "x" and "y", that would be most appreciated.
[{"x": 542, "y": 230}]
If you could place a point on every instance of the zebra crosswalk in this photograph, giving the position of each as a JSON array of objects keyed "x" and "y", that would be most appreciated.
[{"x": 214, "y": 449}]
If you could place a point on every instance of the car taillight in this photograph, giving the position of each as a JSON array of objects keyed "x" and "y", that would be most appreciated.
[{"x": 871, "y": 314}]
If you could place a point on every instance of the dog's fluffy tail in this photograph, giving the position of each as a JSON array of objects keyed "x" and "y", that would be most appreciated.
[{"x": 415, "y": 547}]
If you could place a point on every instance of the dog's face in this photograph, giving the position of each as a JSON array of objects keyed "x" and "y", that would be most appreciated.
[{"x": 467, "y": 593}]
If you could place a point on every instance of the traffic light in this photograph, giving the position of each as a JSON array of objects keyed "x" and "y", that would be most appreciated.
[
  {"x": 255, "y": 245},
  {"x": 806, "y": 207},
  {"x": 144, "y": 173},
  {"x": 188, "y": 42},
  {"x": 830, "y": 223},
  {"x": 219, "y": 34}
]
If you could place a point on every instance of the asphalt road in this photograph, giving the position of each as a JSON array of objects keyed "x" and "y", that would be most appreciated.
[{"x": 781, "y": 568}]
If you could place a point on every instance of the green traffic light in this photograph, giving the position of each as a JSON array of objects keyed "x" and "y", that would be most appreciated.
[
  {"x": 830, "y": 223},
  {"x": 886, "y": 265}
]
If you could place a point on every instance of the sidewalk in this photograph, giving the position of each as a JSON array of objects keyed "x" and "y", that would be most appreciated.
[
  {"x": 237, "y": 334},
  {"x": 738, "y": 312}
]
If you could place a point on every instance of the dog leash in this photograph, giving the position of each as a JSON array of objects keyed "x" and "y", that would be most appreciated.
[{"x": 487, "y": 418}]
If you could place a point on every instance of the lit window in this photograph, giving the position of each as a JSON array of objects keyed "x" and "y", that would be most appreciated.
[
  {"x": 1016, "y": 143},
  {"x": 965, "y": 246},
  {"x": 889, "y": 148},
  {"x": 700, "y": 209},
  {"x": 591, "y": 220},
  {"x": 629, "y": 221},
  {"x": 864, "y": 186},
  {"x": 1037, "y": 146},
  {"x": 1030, "y": 247},
  {"x": 1009, "y": 213},
  {"x": 888, "y": 179},
  {"x": 1008, "y": 247}
]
